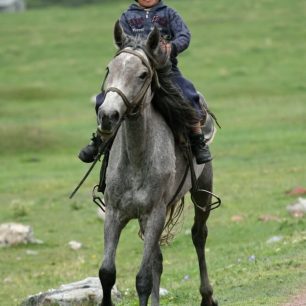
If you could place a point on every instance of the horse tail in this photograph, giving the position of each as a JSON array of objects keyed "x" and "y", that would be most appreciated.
[{"x": 173, "y": 215}]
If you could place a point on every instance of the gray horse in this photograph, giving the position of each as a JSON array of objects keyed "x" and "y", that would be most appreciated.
[{"x": 146, "y": 164}]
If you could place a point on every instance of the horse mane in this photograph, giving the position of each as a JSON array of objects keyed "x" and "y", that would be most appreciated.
[{"x": 168, "y": 99}]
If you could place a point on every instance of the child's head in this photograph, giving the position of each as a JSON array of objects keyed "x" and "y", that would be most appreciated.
[{"x": 147, "y": 3}]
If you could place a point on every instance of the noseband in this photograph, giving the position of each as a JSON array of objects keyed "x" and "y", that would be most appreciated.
[{"x": 137, "y": 101}]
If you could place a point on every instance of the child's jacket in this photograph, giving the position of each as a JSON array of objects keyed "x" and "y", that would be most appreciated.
[{"x": 138, "y": 21}]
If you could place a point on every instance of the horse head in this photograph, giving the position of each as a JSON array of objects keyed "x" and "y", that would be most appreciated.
[{"x": 128, "y": 81}]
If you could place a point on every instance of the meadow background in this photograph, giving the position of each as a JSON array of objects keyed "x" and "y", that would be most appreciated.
[{"x": 248, "y": 58}]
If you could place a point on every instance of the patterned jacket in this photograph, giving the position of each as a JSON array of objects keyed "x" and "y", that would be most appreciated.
[{"x": 139, "y": 21}]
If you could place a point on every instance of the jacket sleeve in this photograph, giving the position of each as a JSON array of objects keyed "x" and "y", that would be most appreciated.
[
  {"x": 125, "y": 25},
  {"x": 180, "y": 33}
]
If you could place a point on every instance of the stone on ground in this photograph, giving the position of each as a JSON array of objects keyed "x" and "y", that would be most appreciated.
[
  {"x": 16, "y": 233},
  {"x": 83, "y": 293}
]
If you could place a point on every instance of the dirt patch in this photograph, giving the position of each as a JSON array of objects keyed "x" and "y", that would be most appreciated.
[{"x": 297, "y": 300}]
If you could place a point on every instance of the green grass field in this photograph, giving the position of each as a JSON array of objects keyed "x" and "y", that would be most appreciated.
[{"x": 248, "y": 58}]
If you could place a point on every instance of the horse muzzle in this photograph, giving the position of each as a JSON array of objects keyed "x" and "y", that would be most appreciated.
[{"x": 107, "y": 122}]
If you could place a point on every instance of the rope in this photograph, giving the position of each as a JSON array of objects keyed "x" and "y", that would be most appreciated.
[{"x": 103, "y": 147}]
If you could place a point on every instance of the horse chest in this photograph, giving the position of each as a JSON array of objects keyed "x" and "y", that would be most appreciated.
[{"x": 139, "y": 191}]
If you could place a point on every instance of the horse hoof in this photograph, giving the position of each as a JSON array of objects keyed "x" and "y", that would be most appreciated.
[{"x": 212, "y": 302}]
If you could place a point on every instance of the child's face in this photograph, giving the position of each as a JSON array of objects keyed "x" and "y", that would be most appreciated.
[{"x": 147, "y": 3}]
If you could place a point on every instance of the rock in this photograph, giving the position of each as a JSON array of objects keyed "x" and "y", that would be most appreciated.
[
  {"x": 8, "y": 280},
  {"x": 237, "y": 218},
  {"x": 31, "y": 252},
  {"x": 267, "y": 218},
  {"x": 274, "y": 239},
  {"x": 186, "y": 278},
  {"x": 83, "y": 293},
  {"x": 252, "y": 258},
  {"x": 163, "y": 292},
  {"x": 297, "y": 209},
  {"x": 74, "y": 245},
  {"x": 12, "y": 5},
  {"x": 16, "y": 233}
]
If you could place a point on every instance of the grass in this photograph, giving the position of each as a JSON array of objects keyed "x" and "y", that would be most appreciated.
[{"x": 248, "y": 58}]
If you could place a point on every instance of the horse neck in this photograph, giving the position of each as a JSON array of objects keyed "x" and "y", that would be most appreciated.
[{"x": 138, "y": 136}]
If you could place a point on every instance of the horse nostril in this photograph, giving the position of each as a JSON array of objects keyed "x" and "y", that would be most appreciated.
[
  {"x": 101, "y": 116},
  {"x": 115, "y": 116}
]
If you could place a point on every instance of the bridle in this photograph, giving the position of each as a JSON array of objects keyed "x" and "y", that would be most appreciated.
[{"x": 134, "y": 106}]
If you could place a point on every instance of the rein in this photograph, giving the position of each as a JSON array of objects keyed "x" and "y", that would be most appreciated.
[
  {"x": 137, "y": 101},
  {"x": 102, "y": 149}
]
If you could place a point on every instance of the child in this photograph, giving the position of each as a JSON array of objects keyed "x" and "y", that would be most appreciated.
[{"x": 139, "y": 20}]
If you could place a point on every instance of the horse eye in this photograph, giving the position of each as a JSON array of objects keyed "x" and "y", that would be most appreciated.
[{"x": 143, "y": 75}]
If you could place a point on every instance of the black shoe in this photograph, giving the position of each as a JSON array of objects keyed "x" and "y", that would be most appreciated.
[
  {"x": 88, "y": 153},
  {"x": 200, "y": 149}
]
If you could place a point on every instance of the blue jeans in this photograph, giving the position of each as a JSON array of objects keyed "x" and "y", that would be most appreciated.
[{"x": 187, "y": 89}]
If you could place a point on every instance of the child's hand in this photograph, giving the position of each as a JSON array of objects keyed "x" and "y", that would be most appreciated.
[{"x": 166, "y": 48}]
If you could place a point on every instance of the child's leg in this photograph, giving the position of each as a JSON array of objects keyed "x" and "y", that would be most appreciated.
[
  {"x": 89, "y": 152},
  {"x": 189, "y": 92},
  {"x": 197, "y": 140}
]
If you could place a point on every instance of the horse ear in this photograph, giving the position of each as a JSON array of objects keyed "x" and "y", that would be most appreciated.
[
  {"x": 153, "y": 39},
  {"x": 119, "y": 35}
]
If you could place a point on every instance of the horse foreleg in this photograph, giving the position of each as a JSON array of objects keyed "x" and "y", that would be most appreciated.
[
  {"x": 107, "y": 272},
  {"x": 157, "y": 270},
  {"x": 150, "y": 270}
]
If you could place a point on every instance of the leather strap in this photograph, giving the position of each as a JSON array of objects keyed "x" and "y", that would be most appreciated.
[
  {"x": 128, "y": 104},
  {"x": 137, "y": 101}
]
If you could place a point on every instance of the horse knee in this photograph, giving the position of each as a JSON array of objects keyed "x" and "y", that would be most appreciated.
[
  {"x": 107, "y": 277},
  {"x": 144, "y": 283}
]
